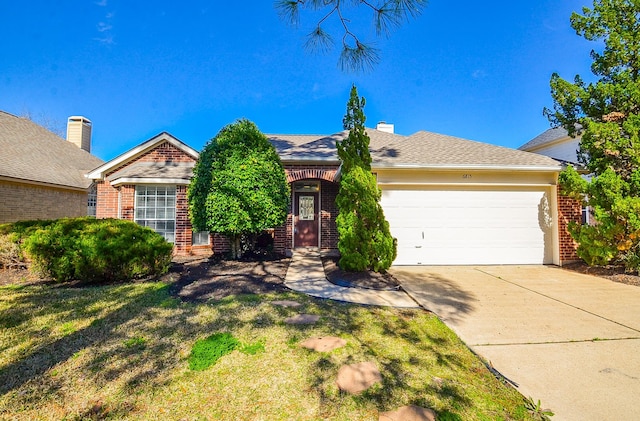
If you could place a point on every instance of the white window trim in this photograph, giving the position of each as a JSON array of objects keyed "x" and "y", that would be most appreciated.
[{"x": 135, "y": 207}]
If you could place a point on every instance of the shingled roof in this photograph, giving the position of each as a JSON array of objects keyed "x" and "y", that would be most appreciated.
[
  {"x": 548, "y": 136},
  {"x": 420, "y": 150},
  {"x": 29, "y": 152}
]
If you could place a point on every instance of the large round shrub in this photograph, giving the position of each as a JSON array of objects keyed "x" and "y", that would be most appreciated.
[{"x": 97, "y": 250}]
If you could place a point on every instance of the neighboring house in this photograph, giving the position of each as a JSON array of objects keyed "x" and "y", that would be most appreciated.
[
  {"x": 42, "y": 176},
  {"x": 555, "y": 143},
  {"x": 447, "y": 200}
]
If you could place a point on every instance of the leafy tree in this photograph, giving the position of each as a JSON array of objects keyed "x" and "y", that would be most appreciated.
[
  {"x": 239, "y": 186},
  {"x": 356, "y": 55},
  {"x": 365, "y": 240},
  {"x": 606, "y": 114}
]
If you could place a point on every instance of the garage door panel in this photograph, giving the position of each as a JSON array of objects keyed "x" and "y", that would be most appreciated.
[{"x": 468, "y": 226}]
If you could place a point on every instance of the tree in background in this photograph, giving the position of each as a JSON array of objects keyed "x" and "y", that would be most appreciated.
[
  {"x": 364, "y": 238},
  {"x": 607, "y": 116},
  {"x": 239, "y": 186},
  {"x": 355, "y": 55}
]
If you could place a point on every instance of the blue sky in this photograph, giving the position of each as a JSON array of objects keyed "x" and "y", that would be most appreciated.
[{"x": 477, "y": 70}]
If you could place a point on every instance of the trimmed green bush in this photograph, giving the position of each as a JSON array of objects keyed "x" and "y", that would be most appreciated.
[
  {"x": 91, "y": 250},
  {"x": 11, "y": 238},
  {"x": 239, "y": 187}
]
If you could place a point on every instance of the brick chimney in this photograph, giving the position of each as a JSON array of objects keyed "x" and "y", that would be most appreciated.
[
  {"x": 79, "y": 132},
  {"x": 384, "y": 127}
]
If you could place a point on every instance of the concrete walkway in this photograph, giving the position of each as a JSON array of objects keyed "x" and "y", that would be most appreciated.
[
  {"x": 570, "y": 340},
  {"x": 306, "y": 275}
]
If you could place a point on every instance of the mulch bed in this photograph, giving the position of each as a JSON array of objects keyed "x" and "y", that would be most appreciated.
[
  {"x": 366, "y": 279},
  {"x": 17, "y": 277},
  {"x": 214, "y": 278},
  {"x": 613, "y": 273}
]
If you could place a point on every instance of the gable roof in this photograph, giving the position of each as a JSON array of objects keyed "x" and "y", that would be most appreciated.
[
  {"x": 31, "y": 153},
  {"x": 420, "y": 150},
  {"x": 153, "y": 172},
  {"x": 100, "y": 172},
  {"x": 547, "y": 137}
]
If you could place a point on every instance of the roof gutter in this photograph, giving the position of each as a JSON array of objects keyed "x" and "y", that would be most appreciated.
[
  {"x": 42, "y": 183},
  {"x": 470, "y": 167}
]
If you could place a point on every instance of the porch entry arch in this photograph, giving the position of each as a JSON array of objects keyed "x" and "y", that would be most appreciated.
[{"x": 311, "y": 173}]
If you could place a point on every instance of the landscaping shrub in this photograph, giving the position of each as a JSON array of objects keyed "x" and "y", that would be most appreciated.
[
  {"x": 11, "y": 236},
  {"x": 364, "y": 236},
  {"x": 93, "y": 250}
]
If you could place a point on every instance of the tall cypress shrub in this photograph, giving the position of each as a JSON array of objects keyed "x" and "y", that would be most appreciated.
[{"x": 364, "y": 238}]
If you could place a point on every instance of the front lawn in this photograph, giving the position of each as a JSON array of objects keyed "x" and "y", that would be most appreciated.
[{"x": 122, "y": 352}]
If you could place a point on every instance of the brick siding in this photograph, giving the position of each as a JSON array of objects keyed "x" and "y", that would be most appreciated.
[
  {"x": 569, "y": 210},
  {"x": 283, "y": 235},
  {"x": 108, "y": 200},
  {"x": 22, "y": 201},
  {"x": 328, "y": 213}
]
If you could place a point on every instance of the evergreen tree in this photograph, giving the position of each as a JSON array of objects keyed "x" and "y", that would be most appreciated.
[
  {"x": 607, "y": 116},
  {"x": 239, "y": 186},
  {"x": 364, "y": 238}
]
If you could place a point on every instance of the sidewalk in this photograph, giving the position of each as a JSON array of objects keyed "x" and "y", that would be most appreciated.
[{"x": 306, "y": 275}]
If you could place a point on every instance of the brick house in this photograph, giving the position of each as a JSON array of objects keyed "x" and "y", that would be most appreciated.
[
  {"x": 41, "y": 174},
  {"x": 448, "y": 200},
  {"x": 557, "y": 144}
]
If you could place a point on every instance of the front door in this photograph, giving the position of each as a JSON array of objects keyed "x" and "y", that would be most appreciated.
[{"x": 306, "y": 220}]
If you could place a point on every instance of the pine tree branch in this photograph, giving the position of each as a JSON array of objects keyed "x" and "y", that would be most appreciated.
[{"x": 356, "y": 55}]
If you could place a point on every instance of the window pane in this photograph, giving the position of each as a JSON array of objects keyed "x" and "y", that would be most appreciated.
[
  {"x": 200, "y": 238},
  {"x": 155, "y": 208}
]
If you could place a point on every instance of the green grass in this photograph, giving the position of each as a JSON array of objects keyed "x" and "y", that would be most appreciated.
[
  {"x": 206, "y": 352},
  {"x": 123, "y": 352}
]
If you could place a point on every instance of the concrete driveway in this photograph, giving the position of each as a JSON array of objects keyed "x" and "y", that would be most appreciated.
[{"x": 570, "y": 340}]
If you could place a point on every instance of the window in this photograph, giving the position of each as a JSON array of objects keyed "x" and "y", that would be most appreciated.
[
  {"x": 92, "y": 200},
  {"x": 155, "y": 207},
  {"x": 586, "y": 212},
  {"x": 200, "y": 238},
  {"x": 306, "y": 208}
]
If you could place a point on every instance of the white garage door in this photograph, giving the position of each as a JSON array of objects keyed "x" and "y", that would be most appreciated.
[{"x": 458, "y": 227}]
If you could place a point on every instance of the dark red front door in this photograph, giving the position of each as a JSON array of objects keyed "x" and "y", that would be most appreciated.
[{"x": 306, "y": 220}]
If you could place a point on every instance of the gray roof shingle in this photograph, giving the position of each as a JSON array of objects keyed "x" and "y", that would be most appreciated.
[
  {"x": 180, "y": 170},
  {"x": 547, "y": 136},
  {"x": 31, "y": 152},
  {"x": 422, "y": 149}
]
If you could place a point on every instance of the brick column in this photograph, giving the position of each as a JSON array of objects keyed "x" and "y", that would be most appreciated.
[{"x": 569, "y": 210}]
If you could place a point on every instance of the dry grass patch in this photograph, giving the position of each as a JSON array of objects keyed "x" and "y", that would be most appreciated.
[{"x": 122, "y": 351}]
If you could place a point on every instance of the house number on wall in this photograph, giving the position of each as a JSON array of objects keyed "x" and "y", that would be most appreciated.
[{"x": 465, "y": 176}]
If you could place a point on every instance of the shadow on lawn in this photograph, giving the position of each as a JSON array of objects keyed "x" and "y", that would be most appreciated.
[
  {"x": 69, "y": 304},
  {"x": 131, "y": 344},
  {"x": 135, "y": 344},
  {"x": 406, "y": 345}
]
